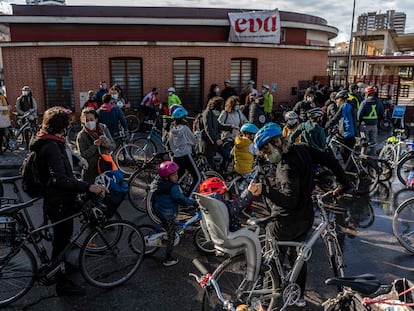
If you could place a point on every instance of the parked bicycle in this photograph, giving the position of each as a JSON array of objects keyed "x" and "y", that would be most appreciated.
[
  {"x": 403, "y": 224},
  {"x": 152, "y": 144},
  {"x": 366, "y": 292},
  {"x": 254, "y": 273},
  {"x": 19, "y": 136},
  {"x": 110, "y": 255}
]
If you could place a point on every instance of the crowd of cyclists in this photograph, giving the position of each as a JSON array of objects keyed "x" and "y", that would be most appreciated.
[{"x": 236, "y": 126}]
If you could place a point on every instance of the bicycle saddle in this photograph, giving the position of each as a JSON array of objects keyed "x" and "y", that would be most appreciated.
[
  {"x": 365, "y": 283},
  {"x": 216, "y": 219},
  {"x": 14, "y": 208}
]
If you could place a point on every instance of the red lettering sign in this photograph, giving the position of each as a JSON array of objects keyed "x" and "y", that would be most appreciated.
[{"x": 255, "y": 24}]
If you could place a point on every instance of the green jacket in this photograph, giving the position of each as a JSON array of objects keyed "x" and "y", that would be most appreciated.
[
  {"x": 311, "y": 133},
  {"x": 173, "y": 99},
  {"x": 268, "y": 102}
]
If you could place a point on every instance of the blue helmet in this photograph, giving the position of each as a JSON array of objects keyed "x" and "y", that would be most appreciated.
[
  {"x": 249, "y": 128},
  {"x": 266, "y": 133},
  {"x": 179, "y": 113}
]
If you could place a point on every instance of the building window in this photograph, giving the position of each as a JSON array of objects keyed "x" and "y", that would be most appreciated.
[
  {"x": 242, "y": 70},
  {"x": 188, "y": 81},
  {"x": 127, "y": 72},
  {"x": 58, "y": 82}
]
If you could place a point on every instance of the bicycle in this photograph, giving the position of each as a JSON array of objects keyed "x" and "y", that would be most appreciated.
[
  {"x": 134, "y": 119},
  {"x": 403, "y": 224},
  {"x": 156, "y": 237},
  {"x": 366, "y": 292},
  {"x": 110, "y": 255},
  {"x": 395, "y": 148},
  {"x": 152, "y": 144},
  {"x": 362, "y": 169},
  {"x": 128, "y": 156},
  {"x": 24, "y": 130},
  {"x": 254, "y": 272}
]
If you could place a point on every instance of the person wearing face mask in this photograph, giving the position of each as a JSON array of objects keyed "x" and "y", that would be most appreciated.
[
  {"x": 111, "y": 115},
  {"x": 292, "y": 123},
  {"x": 103, "y": 89},
  {"x": 26, "y": 102},
  {"x": 116, "y": 99},
  {"x": 214, "y": 91},
  {"x": 301, "y": 108},
  {"x": 244, "y": 151},
  {"x": 288, "y": 191},
  {"x": 94, "y": 138},
  {"x": 210, "y": 130},
  {"x": 268, "y": 101}
]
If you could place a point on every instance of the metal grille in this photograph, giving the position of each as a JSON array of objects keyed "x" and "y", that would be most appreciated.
[
  {"x": 127, "y": 72},
  {"x": 188, "y": 75},
  {"x": 58, "y": 82}
]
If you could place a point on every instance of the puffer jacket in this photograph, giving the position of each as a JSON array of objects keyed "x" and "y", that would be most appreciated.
[{"x": 181, "y": 140}]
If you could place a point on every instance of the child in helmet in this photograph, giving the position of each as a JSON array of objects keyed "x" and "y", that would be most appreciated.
[
  {"x": 216, "y": 188},
  {"x": 167, "y": 196},
  {"x": 244, "y": 151},
  {"x": 310, "y": 131},
  {"x": 181, "y": 141},
  {"x": 292, "y": 123}
]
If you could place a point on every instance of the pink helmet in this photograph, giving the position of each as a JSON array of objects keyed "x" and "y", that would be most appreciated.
[{"x": 167, "y": 168}]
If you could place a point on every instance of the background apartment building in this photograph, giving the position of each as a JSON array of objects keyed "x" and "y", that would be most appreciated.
[{"x": 388, "y": 20}]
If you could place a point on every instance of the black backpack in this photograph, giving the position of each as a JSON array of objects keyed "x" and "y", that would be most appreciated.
[{"x": 29, "y": 171}]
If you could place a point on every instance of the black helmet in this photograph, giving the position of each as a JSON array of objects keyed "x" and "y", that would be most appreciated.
[
  {"x": 353, "y": 87},
  {"x": 315, "y": 113},
  {"x": 342, "y": 94}
]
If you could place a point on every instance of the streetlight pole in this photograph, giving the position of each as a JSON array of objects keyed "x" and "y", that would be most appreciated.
[{"x": 350, "y": 46}]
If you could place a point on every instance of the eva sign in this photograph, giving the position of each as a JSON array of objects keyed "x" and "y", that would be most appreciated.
[{"x": 256, "y": 26}]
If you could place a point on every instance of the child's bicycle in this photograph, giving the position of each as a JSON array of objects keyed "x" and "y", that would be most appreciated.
[
  {"x": 156, "y": 236},
  {"x": 366, "y": 293}
]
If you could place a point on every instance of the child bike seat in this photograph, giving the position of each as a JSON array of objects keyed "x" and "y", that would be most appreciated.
[{"x": 216, "y": 219}]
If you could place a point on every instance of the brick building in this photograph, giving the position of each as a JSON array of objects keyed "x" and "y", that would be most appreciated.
[{"x": 63, "y": 51}]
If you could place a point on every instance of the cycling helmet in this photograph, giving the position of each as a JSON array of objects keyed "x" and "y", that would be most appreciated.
[
  {"x": 249, "y": 128},
  {"x": 25, "y": 88},
  {"x": 290, "y": 115},
  {"x": 353, "y": 87},
  {"x": 167, "y": 168},
  {"x": 266, "y": 133},
  {"x": 213, "y": 185},
  {"x": 265, "y": 86},
  {"x": 173, "y": 107},
  {"x": 370, "y": 90},
  {"x": 342, "y": 94},
  {"x": 179, "y": 113},
  {"x": 315, "y": 113},
  {"x": 171, "y": 89}
]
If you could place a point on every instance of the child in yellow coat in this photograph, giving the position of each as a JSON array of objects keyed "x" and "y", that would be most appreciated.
[{"x": 244, "y": 151}]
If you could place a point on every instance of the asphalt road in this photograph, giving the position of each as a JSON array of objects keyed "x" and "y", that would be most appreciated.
[{"x": 155, "y": 287}]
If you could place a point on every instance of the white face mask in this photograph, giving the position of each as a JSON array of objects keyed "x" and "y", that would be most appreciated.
[
  {"x": 25, "y": 93},
  {"x": 120, "y": 104},
  {"x": 274, "y": 157},
  {"x": 115, "y": 96},
  {"x": 216, "y": 90},
  {"x": 91, "y": 125}
]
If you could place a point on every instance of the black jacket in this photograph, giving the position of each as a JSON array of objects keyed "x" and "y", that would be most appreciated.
[{"x": 56, "y": 173}]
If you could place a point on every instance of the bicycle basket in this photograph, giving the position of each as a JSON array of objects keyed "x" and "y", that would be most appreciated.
[{"x": 8, "y": 227}]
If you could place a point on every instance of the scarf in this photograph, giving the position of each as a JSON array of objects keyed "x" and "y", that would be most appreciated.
[
  {"x": 107, "y": 107},
  {"x": 42, "y": 134},
  {"x": 95, "y": 133}
]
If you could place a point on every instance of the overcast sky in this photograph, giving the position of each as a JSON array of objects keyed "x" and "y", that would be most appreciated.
[{"x": 338, "y": 14}]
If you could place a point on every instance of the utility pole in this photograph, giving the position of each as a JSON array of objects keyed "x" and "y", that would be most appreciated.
[{"x": 350, "y": 46}]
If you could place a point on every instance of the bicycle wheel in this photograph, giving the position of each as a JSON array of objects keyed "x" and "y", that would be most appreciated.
[
  {"x": 114, "y": 264},
  {"x": 150, "y": 208},
  {"x": 367, "y": 179},
  {"x": 386, "y": 170},
  {"x": 133, "y": 123},
  {"x": 203, "y": 244},
  {"x": 148, "y": 231},
  {"x": 17, "y": 273},
  {"x": 403, "y": 224},
  {"x": 231, "y": 277},
  {"x": 334, "y": 253},
  {"x": 138, "y": 187},
  {"x": 389, "y": 153},
  {"x": 149, "y": 147},
  {"x": 404, "y": 168},
  {"x": 129, "y": 158},
  {"x": 77, "y": 226}
]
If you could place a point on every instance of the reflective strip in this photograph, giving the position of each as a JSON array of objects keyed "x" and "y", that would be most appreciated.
[{"x": 373, "y": 115}]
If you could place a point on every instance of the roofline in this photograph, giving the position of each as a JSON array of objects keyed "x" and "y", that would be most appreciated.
[{"x": 160, "y": 43}]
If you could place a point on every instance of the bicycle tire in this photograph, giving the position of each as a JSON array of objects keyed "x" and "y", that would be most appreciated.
[
  {"x": 17, "y": 276},
  {"x": 138, "y": 187},
  {"x": 367, "y": 180},
  {"x": 385, "y": 124},
  {"x": 204, "y": 245},
  {"x": 403, "y": 224},
  {"x": 149, "y": 147},
  {"x": 77, "y": 226},
  {"x": 335, "y": 255},
  {"x": 404, "y": 168},
  {"x": 133, "y": 123},
  {"x": 115, "y": 264},
  {"x": 230, "y": 275},
  {"x": 147, "y": 229},
  {"x": 389, "y": 153},
  {"x": 386, "y": 170},
  {"x": 129, "y": 158}
]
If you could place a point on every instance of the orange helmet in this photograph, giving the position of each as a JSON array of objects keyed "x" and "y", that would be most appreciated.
[
  {"x": 213, "y": 185},
  {"x": 370, "y": 90}
]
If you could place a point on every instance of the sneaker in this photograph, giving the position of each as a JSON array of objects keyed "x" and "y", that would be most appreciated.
[
  {"x": 66, "y": 287},
  {"x": 170, "y": 262},
  {"x": 301, "y": 303}
]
